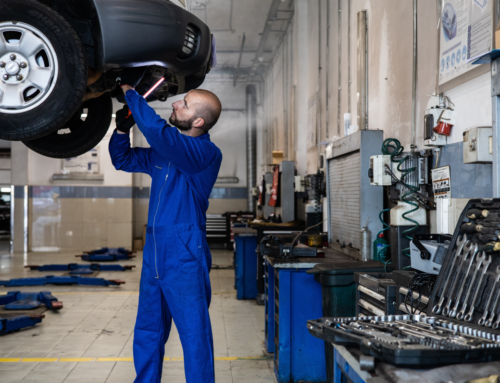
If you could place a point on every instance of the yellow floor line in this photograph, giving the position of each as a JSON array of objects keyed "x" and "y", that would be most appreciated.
[
  {"x": 83, "y": 360},
  {"x": 116, "y": 293}
]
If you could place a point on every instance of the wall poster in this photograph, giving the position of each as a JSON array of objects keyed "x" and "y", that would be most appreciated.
[
  {"x": 441, "y": 183},
  {"x": 86, "y": 163},
  {"x": 466, "y": 31}
]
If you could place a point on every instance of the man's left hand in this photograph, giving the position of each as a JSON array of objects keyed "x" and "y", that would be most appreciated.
[{"x": 124, "y": 122}]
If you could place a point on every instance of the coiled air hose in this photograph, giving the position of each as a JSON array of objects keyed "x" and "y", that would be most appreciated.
[{"x": 392, "y": 147}]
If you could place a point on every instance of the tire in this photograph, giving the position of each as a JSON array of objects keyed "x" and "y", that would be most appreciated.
[
  {"x": 59, "y": 66},
  {"x": 84, "y": 134}
]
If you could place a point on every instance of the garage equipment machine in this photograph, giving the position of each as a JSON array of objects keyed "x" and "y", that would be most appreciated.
[
  {"x": 428, "y": 251},
  {"x": 16, "y": 309},
  {"x": 107, "y": 255},
  {"x": 75, "y": 268},
  {"x": 63, "y": 280},
  {"x": 406, "y": 177}
]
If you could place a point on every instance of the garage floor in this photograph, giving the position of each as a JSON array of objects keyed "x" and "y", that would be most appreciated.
[{"x": 90, "y": 339}]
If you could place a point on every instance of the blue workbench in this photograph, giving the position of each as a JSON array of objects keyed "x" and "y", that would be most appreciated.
[
  {"x": 294, "y": 299},
  {"x": 245, "y": 266}
]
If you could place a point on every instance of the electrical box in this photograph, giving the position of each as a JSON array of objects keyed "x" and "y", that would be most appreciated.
[
  {"x": 436, "y": 140},
  {"x": 300, "y": 184},
  {"x": 379, "y": 170},
  {"x": 433, "y": 119},
  {"x": 478, "y": 145}
]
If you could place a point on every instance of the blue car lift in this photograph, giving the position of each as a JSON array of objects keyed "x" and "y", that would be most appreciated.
[
  {"x": 107, "y": 255},
  {"x": 62, "y": 280},
  {"x": 16, "y": 300},
  {"x": 75, "y": 268}
]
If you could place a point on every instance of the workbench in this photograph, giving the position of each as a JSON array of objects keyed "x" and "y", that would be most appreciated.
[
  {"x": 269, "y": 276},
  {"x": 294, "y": 295},
  {"x": 346, "y": 364}
]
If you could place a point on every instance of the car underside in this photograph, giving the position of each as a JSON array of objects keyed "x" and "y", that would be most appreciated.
[{"x": 61, "y": 57}]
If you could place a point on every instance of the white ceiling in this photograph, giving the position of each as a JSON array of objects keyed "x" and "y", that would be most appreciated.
[{"x": 230, "y": 19}]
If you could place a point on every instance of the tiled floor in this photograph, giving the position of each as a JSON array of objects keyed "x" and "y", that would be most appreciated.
[{"x": 97, "y": 323}]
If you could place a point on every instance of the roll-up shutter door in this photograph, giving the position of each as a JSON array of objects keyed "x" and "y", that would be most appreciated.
[{"x": 344, "y": 188}]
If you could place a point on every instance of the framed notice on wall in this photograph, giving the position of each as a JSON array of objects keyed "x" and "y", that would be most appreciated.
[
  {"x": 441, "y": 182},
  {"x": 465, "y": 31},
  {"x": 86, "y": 163}
]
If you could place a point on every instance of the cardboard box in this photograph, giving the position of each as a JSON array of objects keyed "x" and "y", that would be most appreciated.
[
  {"x": 144, "y": 236},
  {"x": 278, "y": 157},
  {"x": 497, "y": 36},
  {"x": 138, "y": 244}
]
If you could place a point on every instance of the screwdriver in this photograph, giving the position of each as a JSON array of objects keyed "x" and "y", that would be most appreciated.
[
  {"x": 490, "y": 247},
  {"x": 471, "y": 228},
  {"x": 477, "y": 213}
]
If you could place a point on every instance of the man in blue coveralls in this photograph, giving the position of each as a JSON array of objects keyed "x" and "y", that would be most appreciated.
[{"x": 175, "y": 280}]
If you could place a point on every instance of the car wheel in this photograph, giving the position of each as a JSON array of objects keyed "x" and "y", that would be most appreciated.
[
  {"x": 43, "y": 74},
  {"x": 80, "y": 134}
]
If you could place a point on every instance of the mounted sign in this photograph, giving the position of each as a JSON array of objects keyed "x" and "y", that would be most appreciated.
[
  {"x": 441, "y": 182},
  {"x": 466, "y": 31}
]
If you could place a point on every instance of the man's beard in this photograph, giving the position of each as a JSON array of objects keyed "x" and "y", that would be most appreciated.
[{"x": 183, "y": 126}]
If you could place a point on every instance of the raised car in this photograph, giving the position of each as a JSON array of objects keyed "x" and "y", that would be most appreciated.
[{"x": 60, "y": 61}]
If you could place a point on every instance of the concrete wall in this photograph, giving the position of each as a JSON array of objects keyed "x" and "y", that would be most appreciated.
[
  {"x": 321, "y": 48},
  {"x": 76, "y": 216},
  {"x": 70, "y": 215}
]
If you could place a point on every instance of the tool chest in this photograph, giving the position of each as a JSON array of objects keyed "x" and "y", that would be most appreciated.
[
  {"x": 407, "y": 303},
  {"x": 375, "y": 294},
  {"x": 462, "y": 324}
]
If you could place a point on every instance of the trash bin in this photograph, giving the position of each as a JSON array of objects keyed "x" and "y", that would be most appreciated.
[{"x": 339, "y": 293}]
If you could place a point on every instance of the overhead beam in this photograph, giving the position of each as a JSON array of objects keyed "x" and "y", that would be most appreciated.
[
  {"x": 237, "y": 72},
  {"x": 271, "y": 17}
]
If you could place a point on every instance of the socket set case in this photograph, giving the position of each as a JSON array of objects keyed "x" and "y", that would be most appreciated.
[{"x": 463, "y": 316}]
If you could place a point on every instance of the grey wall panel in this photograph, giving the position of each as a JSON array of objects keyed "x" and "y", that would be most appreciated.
[{"x": 467, "y": 180}]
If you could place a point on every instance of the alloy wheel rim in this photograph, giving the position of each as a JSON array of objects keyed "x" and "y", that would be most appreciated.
[{"x": 28, "y": 67}]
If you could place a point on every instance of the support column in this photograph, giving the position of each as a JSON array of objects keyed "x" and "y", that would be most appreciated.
[
  {"x": 302, "y": 92},
  {"x": 495, "y": 110}
]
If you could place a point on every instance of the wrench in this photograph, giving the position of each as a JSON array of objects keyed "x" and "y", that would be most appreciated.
[
  {"x": 487, "y": 263},
  {"x": 489, "y": 322},
  {"x": 460, "y": 245},
  {"x": 477, "y": 267},
  {"x": 453, "y": 312},
  {"x": 482, "y": 321}
]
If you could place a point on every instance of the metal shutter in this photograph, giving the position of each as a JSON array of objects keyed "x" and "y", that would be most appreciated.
[{"x": 344, "y": 188}]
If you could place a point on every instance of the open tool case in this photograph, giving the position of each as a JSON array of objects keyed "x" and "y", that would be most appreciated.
[{"x": 463, "y": 316}]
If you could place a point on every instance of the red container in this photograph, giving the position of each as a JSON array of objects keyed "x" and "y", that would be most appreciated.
[{"x": 443, "y": 128}]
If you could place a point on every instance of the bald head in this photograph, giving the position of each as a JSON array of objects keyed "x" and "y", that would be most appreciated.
[{"x": 208, "y": 107}]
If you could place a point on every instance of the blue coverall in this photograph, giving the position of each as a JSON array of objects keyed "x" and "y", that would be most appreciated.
[{"x": 175, "y": 279}]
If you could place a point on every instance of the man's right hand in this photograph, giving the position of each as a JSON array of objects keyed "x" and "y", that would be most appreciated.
[
  {"x": 126, "y": 88},
  {"x": 124, "y": 121}
]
